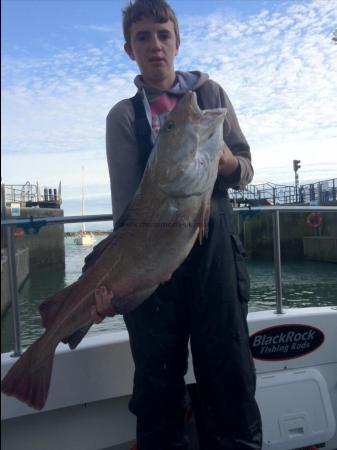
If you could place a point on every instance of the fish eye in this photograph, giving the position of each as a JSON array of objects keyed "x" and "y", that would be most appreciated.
[{"x": 170, "y": 125}]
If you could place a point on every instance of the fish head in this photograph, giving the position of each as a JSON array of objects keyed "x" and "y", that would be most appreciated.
[{"x": 188, "y": 148}]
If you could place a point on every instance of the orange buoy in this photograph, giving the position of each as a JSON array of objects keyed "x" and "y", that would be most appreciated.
[
  {"x": 314, "y": 220},
  {"x": 19, "y": 232}
]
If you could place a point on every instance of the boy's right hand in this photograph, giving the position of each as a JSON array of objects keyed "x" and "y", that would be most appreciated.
[{"x": 103, "y": 305}]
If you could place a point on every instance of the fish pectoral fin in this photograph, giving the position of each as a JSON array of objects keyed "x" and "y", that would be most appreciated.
[
  {"x": 76, "y": 337},
  {"x": 195, "y": 180},
  {"x": 51, "y": 306},
  {"x": 204, "y": 219}
]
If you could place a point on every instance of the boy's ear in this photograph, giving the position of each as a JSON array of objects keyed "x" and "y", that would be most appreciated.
[
  {"x": 128, "y": 49},
  {"x": 177, "y": 50}
]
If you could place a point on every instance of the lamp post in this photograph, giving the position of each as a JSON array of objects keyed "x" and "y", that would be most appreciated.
[{"x": 296, "y": 165}]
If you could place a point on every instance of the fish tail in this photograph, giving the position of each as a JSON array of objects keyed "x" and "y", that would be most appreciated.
[{"x": 29, "y": 378}]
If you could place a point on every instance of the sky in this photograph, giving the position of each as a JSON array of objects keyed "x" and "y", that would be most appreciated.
[{"x": 64, "y": 67}]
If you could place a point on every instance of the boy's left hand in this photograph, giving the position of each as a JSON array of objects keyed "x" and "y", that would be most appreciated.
[
  {"x": 103, "y": 306},
  {"x": 228, "y": 162}
]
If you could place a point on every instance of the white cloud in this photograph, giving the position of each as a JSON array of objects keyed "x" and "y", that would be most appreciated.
[
  {"x": 95, "y": 28},
  {"x": 277, "y": 66},
  {"x": 279, "y": 75}
]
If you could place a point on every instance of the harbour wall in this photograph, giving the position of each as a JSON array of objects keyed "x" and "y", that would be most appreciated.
[
  {"x": 22, "y": 272},
  {"x": 320, "y": 248},
  {"x": 46, "y": 248},
  {"x": 298, "y": 239},
  {"x": 33, "y": 252}
]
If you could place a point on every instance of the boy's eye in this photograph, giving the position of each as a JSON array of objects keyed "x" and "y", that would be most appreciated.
[
  {"x": 164, "y": 36},
  {"x": 161, "y": 35},
  {"x": 141, "y": 37}
]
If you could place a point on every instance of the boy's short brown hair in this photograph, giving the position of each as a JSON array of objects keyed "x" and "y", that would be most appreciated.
[{"x": 160, "y": 10}]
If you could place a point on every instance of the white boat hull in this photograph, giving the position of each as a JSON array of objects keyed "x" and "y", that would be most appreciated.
[
  {"x": 86, "y": 239},
  {"x": 91, "y": 386}
]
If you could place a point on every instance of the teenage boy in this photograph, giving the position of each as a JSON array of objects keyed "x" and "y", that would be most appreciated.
[{"x": 206, "y": 299}]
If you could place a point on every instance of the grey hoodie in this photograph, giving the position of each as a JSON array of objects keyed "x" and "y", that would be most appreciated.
[{"x": 124, "y": 159}]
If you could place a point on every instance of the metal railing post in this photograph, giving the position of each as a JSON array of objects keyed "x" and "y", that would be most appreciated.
[
  {"x": 277, "y": 261},
  {"x": 13, "y": 285},
  {"x": 320, "y": 194},
  {"x": 13, "y": 288}
]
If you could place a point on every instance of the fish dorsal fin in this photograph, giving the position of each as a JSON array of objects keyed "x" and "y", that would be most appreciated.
[{"x": 50, "y": 307}]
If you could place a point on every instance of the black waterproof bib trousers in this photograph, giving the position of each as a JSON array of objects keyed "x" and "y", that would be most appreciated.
[{"x": 205, "y": 301}]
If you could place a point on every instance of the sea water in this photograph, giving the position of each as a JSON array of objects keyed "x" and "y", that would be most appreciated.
[{"x": 304, "y": 284}]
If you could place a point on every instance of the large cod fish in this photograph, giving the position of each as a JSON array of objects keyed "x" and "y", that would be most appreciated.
[{"x": 156, "y": 233}]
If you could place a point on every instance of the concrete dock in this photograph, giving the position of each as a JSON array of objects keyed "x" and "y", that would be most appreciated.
[
  {"x": 298, "y": 239},
  {"x": 33, "y": 251},
  {"x": 46, "y": 248}
]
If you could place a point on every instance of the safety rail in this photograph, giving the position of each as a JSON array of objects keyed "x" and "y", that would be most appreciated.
[
  {"x": 319, "y": 193},
  {"x": 35, "y": 223},
  {"x": 31, "y": 195}
]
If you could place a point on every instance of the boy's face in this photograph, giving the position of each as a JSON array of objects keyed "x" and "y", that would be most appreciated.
[{"x": 153, "y": 46}]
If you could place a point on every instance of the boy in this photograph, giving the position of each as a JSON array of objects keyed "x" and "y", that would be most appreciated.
[{"x": 206, "y": 299}]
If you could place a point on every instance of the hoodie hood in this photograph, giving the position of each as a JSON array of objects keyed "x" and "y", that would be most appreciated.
[{"x": 185, "y": 81}]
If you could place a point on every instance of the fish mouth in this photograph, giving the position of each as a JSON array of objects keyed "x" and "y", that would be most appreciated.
[
  {"x": 212, "y": 116},
  {"x": 191, "y": 98},
  {"x": 189, "y": 103}
]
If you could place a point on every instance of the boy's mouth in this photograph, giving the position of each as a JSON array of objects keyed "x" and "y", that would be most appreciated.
[{"x": 156, "y": 59}]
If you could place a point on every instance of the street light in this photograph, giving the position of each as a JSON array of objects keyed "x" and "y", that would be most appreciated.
[{"x": 296, "y": 165}]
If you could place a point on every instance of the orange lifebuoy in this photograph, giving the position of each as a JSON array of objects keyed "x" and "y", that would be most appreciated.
[
  {"x": 19, "y": 232},
  {"x": 314, "y": 220}
]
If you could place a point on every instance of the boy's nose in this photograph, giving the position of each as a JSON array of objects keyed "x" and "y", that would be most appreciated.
[{"x": 155, "y": 43}]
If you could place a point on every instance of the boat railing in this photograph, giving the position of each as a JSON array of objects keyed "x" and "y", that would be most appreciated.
[{"x": 33, "y": 224}]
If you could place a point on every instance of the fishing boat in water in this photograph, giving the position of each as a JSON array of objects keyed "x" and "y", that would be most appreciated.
[
  {"x": 295, "y": 355},
  {"x": 84, "y": 237}
]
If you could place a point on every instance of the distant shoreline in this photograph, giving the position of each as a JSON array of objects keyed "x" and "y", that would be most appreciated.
[{"x": 97, "y": 232}]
